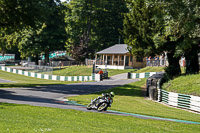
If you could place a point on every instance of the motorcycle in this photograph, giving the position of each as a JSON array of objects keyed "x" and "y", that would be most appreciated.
[{"x": 101, "y": 103}]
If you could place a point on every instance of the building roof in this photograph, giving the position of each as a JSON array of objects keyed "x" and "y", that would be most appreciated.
[{"x": 116, "y": 49}]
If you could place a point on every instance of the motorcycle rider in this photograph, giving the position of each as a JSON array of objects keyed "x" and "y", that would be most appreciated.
[
  {"x": 102, "y": 103},
  {"x": 104, "y": 95}
]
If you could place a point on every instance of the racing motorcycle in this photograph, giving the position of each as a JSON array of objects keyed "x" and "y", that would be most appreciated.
[{"x": 101, "y": 103}]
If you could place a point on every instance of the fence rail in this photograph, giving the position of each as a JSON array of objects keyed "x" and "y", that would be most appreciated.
[
  {"x": 141, "y": 75},
  {"x": 93, "y": 77},
  {"x": 179, "y": 100},
  {"x": 156, "y": 62}
]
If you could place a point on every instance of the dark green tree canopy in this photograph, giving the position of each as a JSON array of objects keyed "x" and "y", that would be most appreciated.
[{"x": 93, "y": 25}]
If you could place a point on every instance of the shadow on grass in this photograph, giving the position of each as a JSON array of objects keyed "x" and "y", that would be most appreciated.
[
  {"x": 126, "y": 90},
  {"x": 22, "y": 85},
  {"x": 45, "y": 93}
]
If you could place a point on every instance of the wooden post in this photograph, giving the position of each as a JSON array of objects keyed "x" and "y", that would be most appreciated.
[
  {"x": 103, "y": 60},
  {"x": 124, "y": 61},
  {"x": 118, "y": 60},
  {"x": 112, "y": 59},
  {"x": 106, "y": 59},
  {"x": 95, "y": 59}
]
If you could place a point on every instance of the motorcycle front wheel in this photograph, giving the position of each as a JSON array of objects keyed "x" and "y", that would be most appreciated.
[
  {"x": 102, "y": 106},
  {"x": 89, "y": 107}
]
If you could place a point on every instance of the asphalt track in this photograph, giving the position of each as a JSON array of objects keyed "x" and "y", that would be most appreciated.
[{"x": 54, "y": 95}]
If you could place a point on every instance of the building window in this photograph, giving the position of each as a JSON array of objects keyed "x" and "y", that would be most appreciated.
[
  {"x": 122, "y": 57},
  {"x": 139, "y": 59},
  {"x": 131, "y": 58}
]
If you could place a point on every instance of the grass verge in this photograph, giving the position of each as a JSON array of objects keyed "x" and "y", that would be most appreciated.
[
  {"x": 27, "y": 119},
  {"x": 24, "y": 81},
  {"x": 129, "y": 99},
  {"x": 151, "y": 69},
  {"x": 74, "y": 71},
  {"x": 86, "y": 71},
  {"x": 186, "y": 84}
]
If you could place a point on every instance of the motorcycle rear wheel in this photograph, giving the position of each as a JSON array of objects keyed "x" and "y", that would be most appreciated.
[{"x": 102, "y": 106}]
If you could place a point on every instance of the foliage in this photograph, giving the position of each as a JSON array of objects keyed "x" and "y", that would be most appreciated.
[
  {"x": 51, "y": 36},
  {"x": 17, "y": 14},
  {"x": 93, "y": 22},
  {"x": 152, "y": 27},
  {"x": 33, "y": 32},
  {"x": 140, "y": 26}
]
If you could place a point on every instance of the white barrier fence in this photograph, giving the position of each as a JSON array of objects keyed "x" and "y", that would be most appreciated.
[
  {"x": 179, "y": 100},
  {"x": 93, "y": 77}
]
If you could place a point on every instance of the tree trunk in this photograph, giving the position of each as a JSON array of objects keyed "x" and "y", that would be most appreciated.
[
  {"x": 192, "y": 64},
  {"x": 47, "y": 57},
  {"x": 173, "y": 69},
  {"x": 36, "y": 59}
]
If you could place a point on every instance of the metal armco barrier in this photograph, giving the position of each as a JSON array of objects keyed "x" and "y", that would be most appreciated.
[{"x": 179, "y": 100}]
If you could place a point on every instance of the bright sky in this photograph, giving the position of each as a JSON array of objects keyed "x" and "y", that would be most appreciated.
[{"x": 62, "y": 0}]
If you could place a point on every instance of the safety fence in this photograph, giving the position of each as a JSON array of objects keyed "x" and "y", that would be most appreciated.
[
  {"x": 179, "y": 100},
  {"x": 93, "y": 77},
  {"x": 141, "y": 75}
]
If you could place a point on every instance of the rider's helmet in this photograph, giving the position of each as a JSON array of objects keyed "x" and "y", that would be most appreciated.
[{"x": 112, "y": 94}]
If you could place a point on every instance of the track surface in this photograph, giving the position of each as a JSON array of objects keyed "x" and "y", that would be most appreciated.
[
  {"x": 49, "y": 96},
  {"x": 52, "y": 96}
]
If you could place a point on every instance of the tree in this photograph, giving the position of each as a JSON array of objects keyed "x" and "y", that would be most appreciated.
[
  {"x": 16, "y": 14},
  {"x": 154, "y": 26},
  {"x": 51, "y": 36},
  {"x": 186, "y": 25},
  {"x": 93, "y": 25},
  {"x": 140, "y": 26}
]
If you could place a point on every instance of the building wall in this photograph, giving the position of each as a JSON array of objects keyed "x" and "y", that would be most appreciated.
[{"x": 132, "y": 61}]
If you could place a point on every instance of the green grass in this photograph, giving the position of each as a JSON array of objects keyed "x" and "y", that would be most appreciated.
[
  {"x": 187, "y": 84},
  {"x": 27, "y": 119},
  {"x": 151, "y": 69},
  {"x": 112, "y": 72},
  {"x": 74, "y": 71},
  {"x": 129, "y": 99},
  {"x": 24, "y": 81},
  {"x": 85, "y": 71}
]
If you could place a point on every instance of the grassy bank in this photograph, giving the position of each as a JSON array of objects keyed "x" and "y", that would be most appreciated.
[
  {"x": 24, "y": 81},
  {"x": 129, "y": 98},
  {"x": 85, "y": 70},
  {"x": 26, "y": 119},
  {"x": 74, "y": 71},
  {"x": 186, "y": 84},
  {"x": 151, "y": 69}
]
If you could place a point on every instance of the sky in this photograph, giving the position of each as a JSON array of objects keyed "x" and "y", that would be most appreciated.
[{"x": 62, "y": 0}]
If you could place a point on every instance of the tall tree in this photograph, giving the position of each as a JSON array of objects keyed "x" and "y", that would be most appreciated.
[
  {"x": 183, "y": 20},
  {"x": 140, "y": 25},
  {"x": 93, "y": 25},
  {"x": 154, "y": 26},
  {"x": 16, "y": 14},
  {"x": 51, "y": 36}
]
